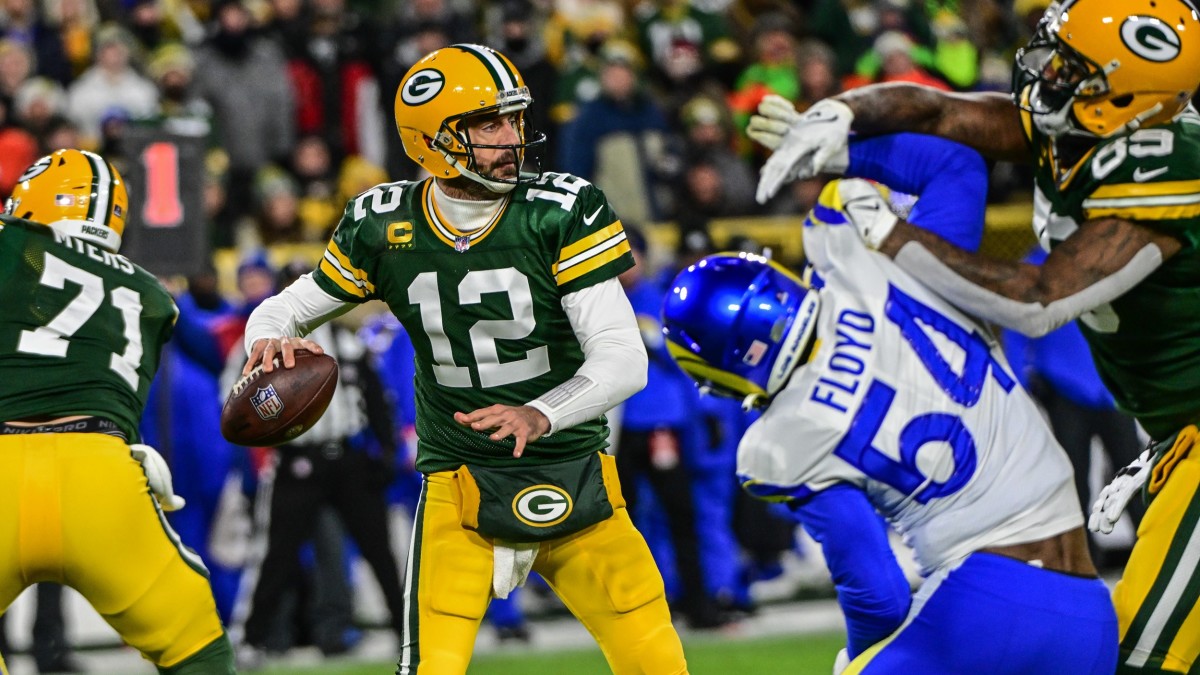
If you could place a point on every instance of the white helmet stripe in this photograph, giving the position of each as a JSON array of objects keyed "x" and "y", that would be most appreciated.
[
  {"x": 101, "y": 207},
  {"x": 505, "y": 79}
]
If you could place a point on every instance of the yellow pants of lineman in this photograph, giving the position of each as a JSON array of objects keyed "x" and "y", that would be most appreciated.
[
  {"x": 76, "y": 509},
  {"x": 604, "y": 574},
  {"x": 1158, "y": 597}
]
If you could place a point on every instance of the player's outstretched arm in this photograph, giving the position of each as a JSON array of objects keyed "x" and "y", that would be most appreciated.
[
  {"x": 816, "y": 142},
  {"x": 986, "y": 121},
  {"x": 1098, "y": 263},
  {"x": 1102, "y": 260}
]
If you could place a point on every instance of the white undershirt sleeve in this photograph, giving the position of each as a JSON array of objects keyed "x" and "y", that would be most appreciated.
[
  {"x": 295, "y": 311},
  {"x": 615, "y": 361},
  {"x": 1031, "y": 318}
]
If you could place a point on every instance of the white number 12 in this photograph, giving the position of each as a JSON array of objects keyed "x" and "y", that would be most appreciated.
[{"x": 423, "y": 292}]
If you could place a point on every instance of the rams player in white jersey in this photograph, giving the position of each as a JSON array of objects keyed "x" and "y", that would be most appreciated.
[{"x": 881, "y": 397}]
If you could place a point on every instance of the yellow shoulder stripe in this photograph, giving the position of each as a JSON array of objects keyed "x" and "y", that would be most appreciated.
[
  {"x": 337, "y": 266},
  {"x": 1167, "y": 212},
  {"x": 1145, "y": 201},
  {"x": 593, "y": 263},
  {"x": 342, "y": 282},
  {"x": 344, "y": 261},
  {"x": 589, "y": 241},
  {"x": 1134, "y": 190}
]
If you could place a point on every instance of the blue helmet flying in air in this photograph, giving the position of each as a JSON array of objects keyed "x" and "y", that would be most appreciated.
[{"x": 738, "y": 324}]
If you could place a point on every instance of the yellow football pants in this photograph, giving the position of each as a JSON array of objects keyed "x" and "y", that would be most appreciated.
[
  {"x": 604, "y": 574},
  {"x": 1158, "y": 597},
  {"x": 76, "y": 509}
]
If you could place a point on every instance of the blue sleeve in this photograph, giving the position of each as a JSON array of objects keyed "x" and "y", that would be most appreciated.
[
  {"x": 949, "y": 179},
  {"x": 194, "y": 335},
  {"x": 399, "y": 372},
  {"x": 1018, "y": 349},
  {"x": 1061, "y": 358},
  {"x": 871, "y": 587}
]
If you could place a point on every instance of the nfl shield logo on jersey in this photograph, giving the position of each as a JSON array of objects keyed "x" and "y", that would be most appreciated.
[{"x": 266, "y": 402}]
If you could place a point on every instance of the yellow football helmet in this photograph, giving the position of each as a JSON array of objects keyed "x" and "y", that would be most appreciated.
[
  {"x": 1099, "y": 68},
  {"x": 75, "y": 192},
  {"x": 449, "y": 85}
]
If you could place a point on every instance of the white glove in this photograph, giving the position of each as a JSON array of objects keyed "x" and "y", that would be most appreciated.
[
  {"x": 1116, "y": 495},
  {"x": 816, "y": 142},
  {"x": 842, "y": 662},
  {"x": 862, "y": 203},
  {"x": 158, "y": 476},
  {"x": 775, "y": 116}
]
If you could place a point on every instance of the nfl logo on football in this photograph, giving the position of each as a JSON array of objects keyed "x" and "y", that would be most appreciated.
[{"x": 266, "y": 402}]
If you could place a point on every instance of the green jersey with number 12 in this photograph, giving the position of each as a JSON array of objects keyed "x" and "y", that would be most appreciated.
[
  {"x": 81, "y": 329},
  {"x": 1146, "y": 343},
  {"x": 483, "y": 309}
]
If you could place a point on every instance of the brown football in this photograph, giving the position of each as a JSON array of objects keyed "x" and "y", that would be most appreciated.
[{"x": 272, "y": 408}]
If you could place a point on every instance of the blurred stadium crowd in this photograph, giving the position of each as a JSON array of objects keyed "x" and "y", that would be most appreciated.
[
  {"x": 648, "y": 99},
  {"x": 293, "y": 100}
]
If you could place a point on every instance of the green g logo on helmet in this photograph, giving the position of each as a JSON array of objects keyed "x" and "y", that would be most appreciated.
[
  {"x": 423, "y": 86},
  {"x": 1150, "y": 38}
]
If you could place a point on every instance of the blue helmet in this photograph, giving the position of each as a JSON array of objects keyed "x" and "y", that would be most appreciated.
[{"x": 738, "y": 323}]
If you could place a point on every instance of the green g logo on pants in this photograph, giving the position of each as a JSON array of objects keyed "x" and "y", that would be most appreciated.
[{"x": 542, "y": 505}]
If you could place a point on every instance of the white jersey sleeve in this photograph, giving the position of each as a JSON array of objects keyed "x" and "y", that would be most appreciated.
[{"x": 912, "y": 401}]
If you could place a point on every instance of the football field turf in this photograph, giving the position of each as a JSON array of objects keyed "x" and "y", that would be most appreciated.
[{"x": 713, "y": 654}]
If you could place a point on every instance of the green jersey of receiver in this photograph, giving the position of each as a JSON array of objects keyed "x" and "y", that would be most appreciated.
[
  {"x": 483, "y": 309},
  {"x": 1145, "y": 343},
  {"x": 81, "y": 329}
]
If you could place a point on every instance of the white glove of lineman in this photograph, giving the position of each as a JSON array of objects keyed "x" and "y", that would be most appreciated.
[
  {"x": 158, "y": 476},
  {"x": 813, "y": 142},
  {"x": 1116, "y": 495},
  {"x": 775, "y": 116},
  {"x": 863, "y": 205},
  {"x": 842, "y": 662}
]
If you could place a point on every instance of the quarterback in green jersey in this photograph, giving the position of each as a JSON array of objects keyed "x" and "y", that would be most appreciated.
[
  {"x": 506, "y": 281},
  {"x": 80, "y": 500},
  {"x": 1102, "y": 108}
]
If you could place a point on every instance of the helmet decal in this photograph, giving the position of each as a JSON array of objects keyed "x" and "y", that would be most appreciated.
[
  {"x": 102, "y": 188},
  {"x": 1098, "y": 69},
  {"x": 36, "y": 169},
  {"x": 1150, "y": 38},
  {"x": 503, "y": 75},
  {"x": 441, "y": 95},
  {"x": 75, "y": 192},
  {"x": 423, "y": 86},
  {"x": 739, "y": 325}
]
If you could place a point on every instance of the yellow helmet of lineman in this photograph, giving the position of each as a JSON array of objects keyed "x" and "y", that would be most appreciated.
[
  {"x": 449, "y": 85},
  {"x": 75, "y": 192},
  {"x": 1100, "y": 68}
]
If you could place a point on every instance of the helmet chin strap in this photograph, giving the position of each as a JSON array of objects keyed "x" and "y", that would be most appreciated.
[
  {"x": 496, "y": 186},
  {"x": 1056, "y": 123},
  {"x": 750, "y": 401},
  {"x": 1137, "y": 121}
]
